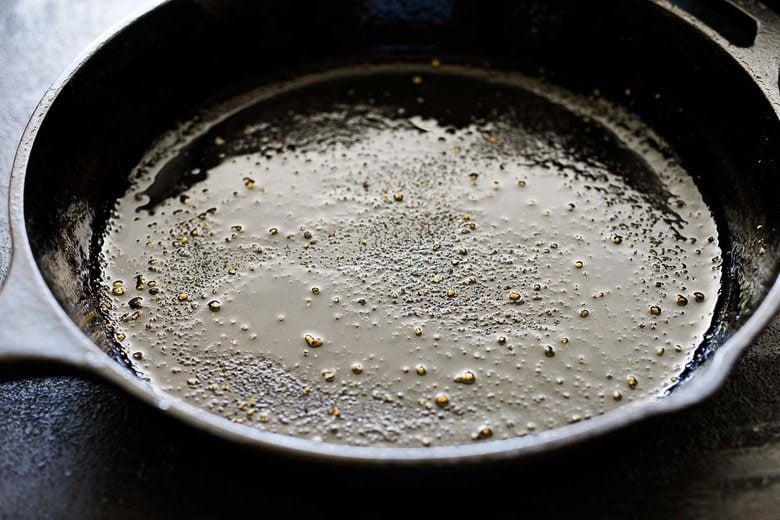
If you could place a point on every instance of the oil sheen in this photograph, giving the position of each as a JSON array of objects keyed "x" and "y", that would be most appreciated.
[{"x": 406, "y": 255}]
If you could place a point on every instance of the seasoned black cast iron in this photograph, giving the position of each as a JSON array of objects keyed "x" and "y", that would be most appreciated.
[{"x": 717, "y": 70}]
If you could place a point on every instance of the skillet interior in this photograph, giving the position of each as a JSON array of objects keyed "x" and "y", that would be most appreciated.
[{"x": 709, "y": 110}]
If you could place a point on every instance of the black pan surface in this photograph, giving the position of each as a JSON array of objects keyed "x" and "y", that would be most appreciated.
[{"x": 641, "y": 47}]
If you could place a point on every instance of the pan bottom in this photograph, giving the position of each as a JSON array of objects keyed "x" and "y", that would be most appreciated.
[{"x": 404, "y": 255}]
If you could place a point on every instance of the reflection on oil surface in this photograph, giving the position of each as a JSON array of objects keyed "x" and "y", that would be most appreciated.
[{"x": 411, "y": 256}]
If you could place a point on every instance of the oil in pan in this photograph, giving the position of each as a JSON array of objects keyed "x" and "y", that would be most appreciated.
[{"x": 405, "y": 255}]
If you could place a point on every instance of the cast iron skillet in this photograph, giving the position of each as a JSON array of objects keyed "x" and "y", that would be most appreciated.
[{"x": 710, "y": 89}]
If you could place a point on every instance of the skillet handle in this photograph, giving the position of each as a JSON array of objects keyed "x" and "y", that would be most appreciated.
[
  {"x": 760, "y": 57},
  {"x": 33, "y": 327}
]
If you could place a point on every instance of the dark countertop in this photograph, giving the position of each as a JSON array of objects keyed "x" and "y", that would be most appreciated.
[{"x": 76, "y": 448}]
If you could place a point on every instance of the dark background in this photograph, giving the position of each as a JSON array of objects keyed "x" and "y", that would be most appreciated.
[{"x": 75, "y": 448}]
